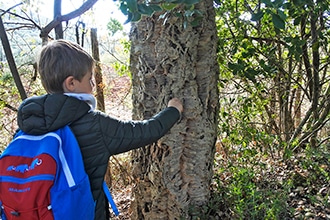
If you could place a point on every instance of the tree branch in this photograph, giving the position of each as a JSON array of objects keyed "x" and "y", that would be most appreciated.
[
  {"x": 4, "y": 12},
  {"x": 19, "y": 16},
  {"x": 6, "y": 105},
  {"x": 83, "y": 8}
]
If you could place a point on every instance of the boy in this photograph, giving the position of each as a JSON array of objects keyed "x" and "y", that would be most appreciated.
[{"x": 66, "y": 72}]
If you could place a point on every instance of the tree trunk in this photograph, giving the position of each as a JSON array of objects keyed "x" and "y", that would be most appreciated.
[
  {"x": 97, "y": 72},
  {"x": 57, "y": 14},
  {"x": 59, "y": 19},
  {"x": 169, "y": 59},
  {"x": 11, "y": 61}
]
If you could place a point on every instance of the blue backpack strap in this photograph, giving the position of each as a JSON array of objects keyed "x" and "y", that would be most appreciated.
[
  {"x": 110, "y": 199},
  {"x": 2, "y": 214}
]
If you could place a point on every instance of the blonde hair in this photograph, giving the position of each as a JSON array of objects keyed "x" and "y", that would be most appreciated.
[{"x": 60, "y": 59}]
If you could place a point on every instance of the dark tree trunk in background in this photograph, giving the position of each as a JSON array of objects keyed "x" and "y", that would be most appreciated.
[
  {"x": 57, "y": 14},
  {"x": 11, "y": 61},
  {"x": 97, "y": 72},
  {"x": 59, "y": 19},
  {"x": 171, "y": 60}
]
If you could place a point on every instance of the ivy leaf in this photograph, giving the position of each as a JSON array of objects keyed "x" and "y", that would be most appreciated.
[{"x": 278, "y": 21}]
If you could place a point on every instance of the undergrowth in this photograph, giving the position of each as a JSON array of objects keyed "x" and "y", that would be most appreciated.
[{"x": 261, "y": 187}]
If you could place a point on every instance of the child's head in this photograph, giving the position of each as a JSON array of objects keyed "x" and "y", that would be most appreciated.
[{"x": 60, "y": 59}]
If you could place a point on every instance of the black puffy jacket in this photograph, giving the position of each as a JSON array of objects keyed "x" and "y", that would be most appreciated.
[{"x": 98, "y": 134}]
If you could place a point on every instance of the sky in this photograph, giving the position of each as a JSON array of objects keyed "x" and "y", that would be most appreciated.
[
  {"x": 98, "y": 17},
  {"x": 101, "y": 12}
]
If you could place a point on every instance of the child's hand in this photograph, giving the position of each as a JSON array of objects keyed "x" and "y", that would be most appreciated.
[{"x": 175, "y": 102}]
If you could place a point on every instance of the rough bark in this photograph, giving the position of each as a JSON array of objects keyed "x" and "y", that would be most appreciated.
[{"x": 171, "y": 60}]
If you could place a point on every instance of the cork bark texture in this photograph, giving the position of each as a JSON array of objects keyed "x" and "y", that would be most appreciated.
[{"x": 170, "y": 60}]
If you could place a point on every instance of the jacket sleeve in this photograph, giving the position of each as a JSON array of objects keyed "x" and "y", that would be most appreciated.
[{"x": 122, "y": 136}]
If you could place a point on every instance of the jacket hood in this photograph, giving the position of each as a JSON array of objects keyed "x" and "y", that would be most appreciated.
[{"x": 41, "y": 114}]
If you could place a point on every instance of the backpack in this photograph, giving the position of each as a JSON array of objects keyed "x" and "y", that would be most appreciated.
[{"x": 43, "y": 177}]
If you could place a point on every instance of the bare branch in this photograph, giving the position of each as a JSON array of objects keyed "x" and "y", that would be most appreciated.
[
  {"x": 9, "y": 9},
  {"x": 83, "y": 8},
  {"x": 6, "y": 105},
  {"x": 21, "y": 17}
]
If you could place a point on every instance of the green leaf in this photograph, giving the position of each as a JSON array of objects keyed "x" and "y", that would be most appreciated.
[
  {"x": 297, "y": 21},
  {"x": 133, "y": 17},
  {"x": 177, "y": 1},
  {"x": 281, "y": 14},
  {"x": 156, "y": 7},
  {"x": 278, "y": 3},
  {"x": 236, "y": 67},
  {"x": 191, "y": 2},
  {"x": 136, "y": 17},
  {"x": 278, "y": 22},
  {"x": 287, "y": 5},
  {"x": 196, "y": 21},
  {"x": 268, "y": 3},
  {"x": 188, "y": 7},
  {"x": 145, "y": 9},
  {"x": 257, "y": 16},
  {"x": 168, "y": 6},
  {"x": 123, "y": 8},
  {"x": 129, "y": 17},
  {"x": 251, "y": 74},
  {"x": 232, "y": 66},
  {"x": 132, "y": 5},
  {"x": 114, "y": 26},
  {"x": 298, "y": 2}
]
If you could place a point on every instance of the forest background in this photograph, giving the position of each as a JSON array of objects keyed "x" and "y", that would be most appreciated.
[{"x": 271, "y": 155}]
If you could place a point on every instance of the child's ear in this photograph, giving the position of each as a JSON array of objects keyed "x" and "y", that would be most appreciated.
[{"x": 69, "y": 84}]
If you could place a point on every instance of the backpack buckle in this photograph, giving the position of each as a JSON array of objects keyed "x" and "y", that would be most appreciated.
[{"x": 15, "y": 213}]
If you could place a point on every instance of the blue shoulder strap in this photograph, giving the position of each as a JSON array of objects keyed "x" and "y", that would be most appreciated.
[{"x": 110, "y": 199}]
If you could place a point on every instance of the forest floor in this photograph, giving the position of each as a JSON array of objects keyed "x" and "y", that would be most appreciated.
[
  {"x": 301, "y": 184},
  {"x": 118, "y": 105},
  {"x": 295, "y": 188}
]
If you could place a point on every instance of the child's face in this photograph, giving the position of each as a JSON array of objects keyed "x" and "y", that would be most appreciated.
[{"x": 86, "y": 85}]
